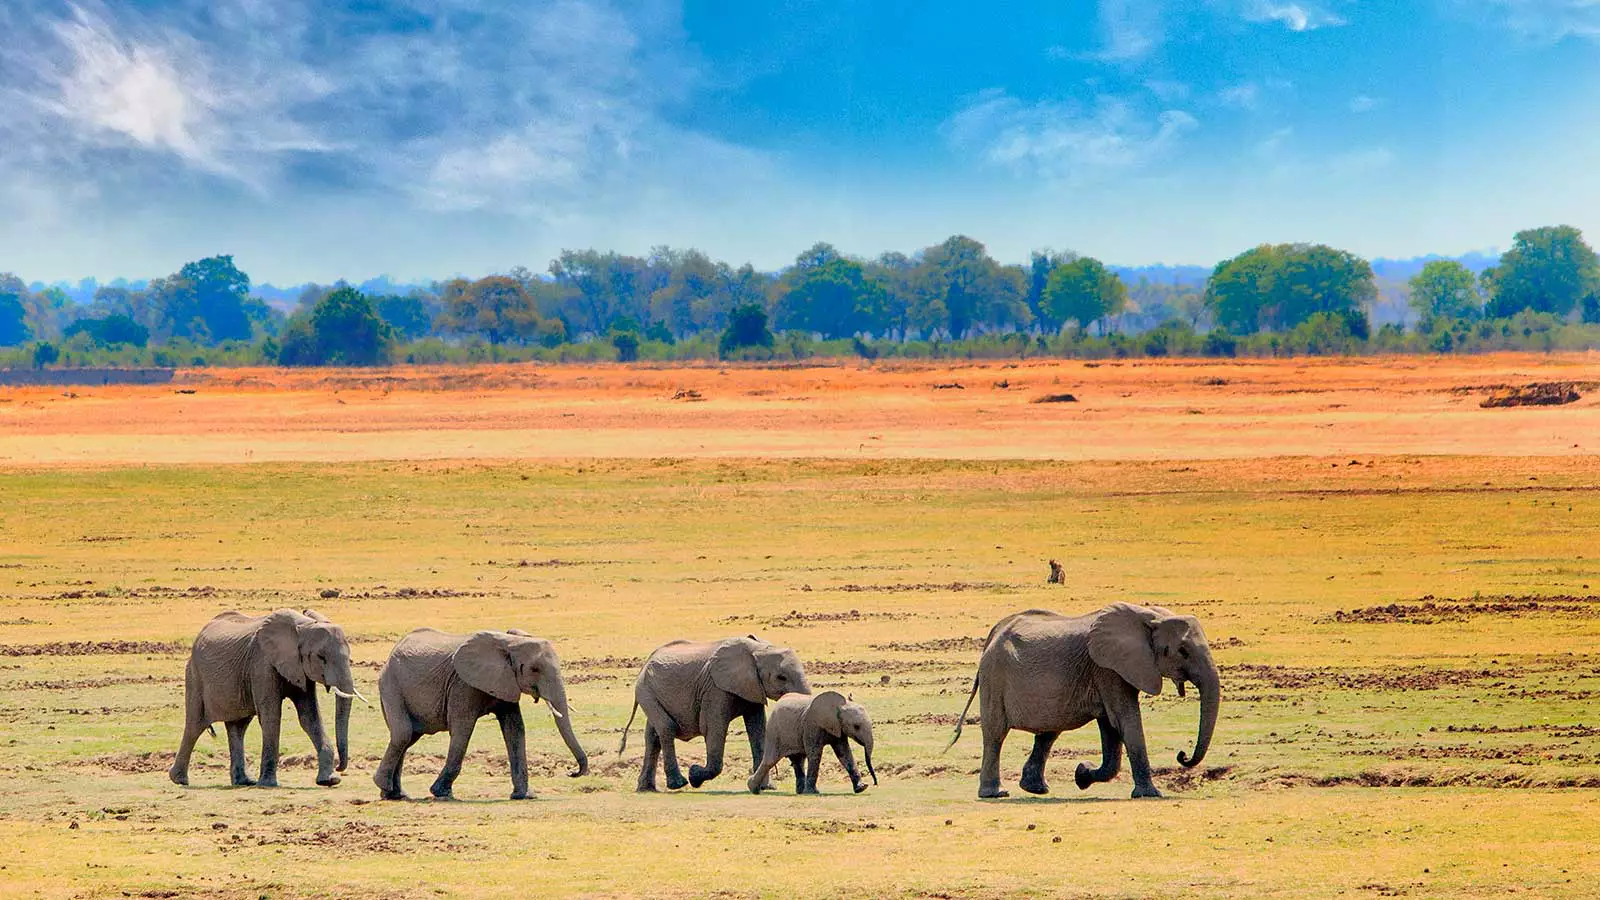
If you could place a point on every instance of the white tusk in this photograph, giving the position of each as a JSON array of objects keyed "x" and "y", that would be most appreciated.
[
  {"x": 555, "y": 712},
  {"x": 356, "y": 696}
]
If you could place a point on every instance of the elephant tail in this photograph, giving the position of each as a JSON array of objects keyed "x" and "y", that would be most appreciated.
[
  {"x": 963, "y": 717},
  {"x": 624, "y": 745}
]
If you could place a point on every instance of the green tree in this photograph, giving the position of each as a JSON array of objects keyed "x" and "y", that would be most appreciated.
[
  {"x": 499, "y": 309},
  {"x": 1278, "y": 286},
  {"x": 407, "y": 316},
  {"x": 349, "y": 331},
  {"x": 208, "y": 301},
  {"x": 1547, "y": 270},
  {"x": 627, "y": 344},
  {"x": 1083, "y": 291},
  {"x": 14, "y": 328},
  {"x": 1041, "y": 264},
  {"x": 830, "y": 294},
  {"x": 1446, "y": 289},
  {"x": 111, "y": 331},
  {"x": 45, "y": 354},
  {"x": 747, "y": 328},
  {"x": 959, "y": 287}
]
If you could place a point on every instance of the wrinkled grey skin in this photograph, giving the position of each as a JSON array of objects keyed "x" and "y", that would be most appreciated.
[
  {"x": 691, "y": 689},
  {"x": 1047, "y": 673},
  {"x": 801, "y": 725},
  {"x": 243, "y": 667},
  {"x": 436, "y": 682}
]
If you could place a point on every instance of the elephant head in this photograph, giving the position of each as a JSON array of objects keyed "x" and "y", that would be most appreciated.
[
  {"x": 308, "y": 649},
  {"x": 842, "y": 717},
  {"x": 1145, "y": 645},
  {"x": 508, "y": 664},
  {"x": 756, "y": 670}
]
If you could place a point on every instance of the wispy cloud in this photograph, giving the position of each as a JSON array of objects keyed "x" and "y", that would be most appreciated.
[
  {"x": 1063, "y": 141},
  {"x": 454, "y": 104},
  {"x": 1543, "y": 20},
  {"x": 1246, "y": 95},
  {"x": 1362, "y": 103},
  {"x": 1129, "y": 29},
  {"x": 1295, "y": 16}
]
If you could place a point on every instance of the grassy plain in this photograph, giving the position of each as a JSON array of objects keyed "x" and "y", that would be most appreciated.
[{"x": 1371, "y": 744}]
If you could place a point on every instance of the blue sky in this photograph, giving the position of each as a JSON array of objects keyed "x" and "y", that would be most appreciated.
[{"x": 424, "y": 138}]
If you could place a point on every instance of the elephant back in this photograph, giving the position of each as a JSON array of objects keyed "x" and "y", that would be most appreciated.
[
  {"x": 219, "y": 659},
  {"x": 420, "y": 669}
]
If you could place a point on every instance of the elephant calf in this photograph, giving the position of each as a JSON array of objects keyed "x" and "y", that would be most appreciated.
[
  {"x": 1046, "y": 673},
  {"x": 801, "y": 725},
  {"x": 446, "y": 682},
  {"x": 243, "y": 667},
  {"x": 693, "y": 688}
]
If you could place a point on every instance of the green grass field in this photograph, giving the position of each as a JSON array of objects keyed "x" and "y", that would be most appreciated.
[{"x": 1450, "y": 749}]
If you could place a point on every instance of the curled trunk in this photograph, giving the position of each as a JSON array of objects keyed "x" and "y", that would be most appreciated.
[{"x": 1210, "y": 700}]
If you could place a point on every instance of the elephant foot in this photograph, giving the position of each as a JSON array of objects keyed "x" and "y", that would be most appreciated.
[
  {"x": 267, "y": 781},
  {"x": 178, "y": 778},
  {"x": 1034, "y": 783},
  {"x": 993, "y": 794},
  {"x": 646, "y": 789},
  {"x": 753, "y": 786},
  {"x": 678, "y": 783},
  {"x": 343, "y": 764},
  {"x": 699, "y": 775},
  {"x": 1145, "y": 791},
  {"x": 860, "y": 786},
  {"x": 330, "y": 781},
  {"x": 445, "y": 797},
  {"x": 521, "y": 795},
  {"x": 1083, "y": 776},
  {"x": 392, "y": 795}
]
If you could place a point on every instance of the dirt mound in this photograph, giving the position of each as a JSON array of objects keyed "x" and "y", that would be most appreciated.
[
  {"x": 877, "y": 666},
  {"x": 1541, "y": 393},
  {"x": 923, "y": 587},
  {"x": 1055, "y": 398},
  {"x": 1415, "y": 678},
  {"x": 830, "y": 826},
  {"x": 937, "y": 645},
  {"x": 1431, "y": 610},
  {"x": 92, "y": 648},
  {"x": 350, "y": 837},
  {"x": 135, "y": 763},
  {"x": 944, "y": 719},
  {"x": 794, "y": 618}
]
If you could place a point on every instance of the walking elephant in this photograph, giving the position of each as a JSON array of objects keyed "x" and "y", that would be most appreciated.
[
  {"x": 691, "y": 689},
  {"x": 446, "y": 682},
  {"x": 243, "y": 667},
  {"x": 1046, "y": 673},
  {"x": 801, "y": 725}
]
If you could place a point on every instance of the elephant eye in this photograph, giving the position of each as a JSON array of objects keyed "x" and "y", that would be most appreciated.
[
  {"x": 1184, "y": 652},
  {"x": 782, "y": 677}
]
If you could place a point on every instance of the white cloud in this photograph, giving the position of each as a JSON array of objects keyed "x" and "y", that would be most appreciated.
[
  {"x": 1363, "y": 103},
  {"x": 1543, "y": 20},
  {"x": 1246, "y": 95},
  {"x": 1065, "y": 142},
  {"x": 1129, "y": 29},
  {"x": 1295, "y": 16},
  {"x": 1169, "y": 91},
  {"x": 452, "y": 104}
]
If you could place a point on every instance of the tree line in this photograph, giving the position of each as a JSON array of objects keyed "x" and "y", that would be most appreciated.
[{"x": 952, "y": 298}]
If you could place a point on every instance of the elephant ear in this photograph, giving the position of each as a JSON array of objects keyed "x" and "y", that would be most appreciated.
[
  {"x": 279, "y": 639},
  {"x": 733, "y": 668},
  {"x": 483, "y": 662},
  {"x": 825, "y": 712},
  {"x": 315, "y": 616},
  {"x": 518, "y": 632},
  {"x": 1119, "y": 639}
]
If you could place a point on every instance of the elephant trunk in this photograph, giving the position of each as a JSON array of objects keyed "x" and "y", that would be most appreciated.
[
  {"x": 341, "y": 729},
  {"x": 557, "y": 698},
  {"x": 1210, "y": 699},
  {"x": 866, "y": 750}
]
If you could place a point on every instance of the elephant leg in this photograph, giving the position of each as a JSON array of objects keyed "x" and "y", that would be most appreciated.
[
  {"x": 461, "y": 728},
  {"x": 847, "y": 758},
  {"x": 1129, "y": 724},
  {"x": 1110, "y": 758},
  {"x": 716, "y": 743},
  {"x": 516, "y": 736},
  {"x": 237, "y": 776},
  {"x": 193, "y": 724},
  {"x": 669, "y": 760},
  {"x": 799, "y": 762},
  {"x": 813, "y": 762},
  {"x": 995, "y": 728},
  {"x": 1033, "y": 770},
  {"x": 305, "y": 706},
  {"x": 761, "y": 778},
  {"x": 388, "y": 775},
  {"x": 652, "y": 752},
  {"x": 270, "y": 715},
  {"x": 666, "y": 732},
  {"x": 755, "y": 728}
]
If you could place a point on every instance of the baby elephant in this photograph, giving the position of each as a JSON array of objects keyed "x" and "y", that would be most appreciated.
[{"x": 799, "y": 727}]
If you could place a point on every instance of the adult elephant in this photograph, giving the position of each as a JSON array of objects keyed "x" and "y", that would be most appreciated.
[
  {"x": 691, "y": 689},
  {"x": 436, "y": 681},
  {"x": 1046, "y": 673},
  {"x": 243, "y": 667}
]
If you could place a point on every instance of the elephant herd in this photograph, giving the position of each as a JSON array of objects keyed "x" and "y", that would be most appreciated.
[{"x": 1040, "y": 672}]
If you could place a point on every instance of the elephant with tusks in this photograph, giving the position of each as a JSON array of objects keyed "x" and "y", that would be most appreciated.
[{"x": 243, "y": 667}]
